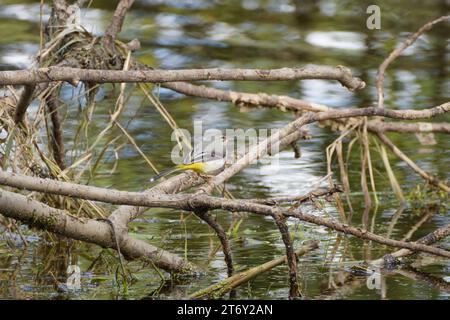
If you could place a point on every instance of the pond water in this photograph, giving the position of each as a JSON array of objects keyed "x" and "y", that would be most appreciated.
[{"x": 250, "y": 34}]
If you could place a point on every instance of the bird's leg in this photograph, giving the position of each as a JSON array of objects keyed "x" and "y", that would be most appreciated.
[
  {"x": 205, "y": 176},
  {"x": 224, "y": 189}
]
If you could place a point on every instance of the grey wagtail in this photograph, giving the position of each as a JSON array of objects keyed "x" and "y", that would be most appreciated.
[{"x": 209, "y": 162}]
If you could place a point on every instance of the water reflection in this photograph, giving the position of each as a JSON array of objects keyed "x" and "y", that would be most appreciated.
[{"x": 249, "y": 33}]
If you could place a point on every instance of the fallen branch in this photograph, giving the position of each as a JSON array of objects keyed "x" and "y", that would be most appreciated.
[
  {"x": 195, "y": 202},
  {"x": 73, "y": 75},
  {"x": 221, "y": 288},
  {"x": 39, "y": 215},
  {"x": 244, "y": 98}
]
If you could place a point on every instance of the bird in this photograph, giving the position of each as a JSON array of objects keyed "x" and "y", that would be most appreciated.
[{"x": 207, "y": 161}]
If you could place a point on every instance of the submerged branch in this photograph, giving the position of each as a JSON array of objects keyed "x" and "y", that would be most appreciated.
[
  {"x": 280, "y": 220},
  {"x": 222, "y": 235},
  {"x": 221, "y": 288},
  {"x": 433, "y": 237}
]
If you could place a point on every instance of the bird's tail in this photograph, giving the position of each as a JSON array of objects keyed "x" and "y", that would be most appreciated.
[{"x": 165, "y": 173}]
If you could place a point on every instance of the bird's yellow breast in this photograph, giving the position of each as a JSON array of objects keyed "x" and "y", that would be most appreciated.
[{"x": 197, "y": 166}]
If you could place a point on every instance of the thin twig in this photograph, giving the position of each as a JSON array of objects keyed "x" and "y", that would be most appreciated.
[
  {"x": 221, "y": 234},
  {"x": 116, "y": 23},
  {"x": 219, "y": 289},
  {"x": 397, "y": 52},
  {"x": 280, "y": 220}
]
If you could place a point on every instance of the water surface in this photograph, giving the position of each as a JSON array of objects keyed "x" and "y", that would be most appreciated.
[{"x": 250, "y": 34}]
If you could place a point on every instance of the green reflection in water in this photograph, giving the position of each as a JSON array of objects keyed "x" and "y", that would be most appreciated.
[{"x": 263, "y": 34}]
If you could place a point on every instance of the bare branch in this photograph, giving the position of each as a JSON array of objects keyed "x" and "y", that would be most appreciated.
[
  {"x": 288, "y": 103},
  {"x": 193, "y": 203},
  {"x": 39, "y": 215},
  {"x": 73, "y": 75},
  {"x": 116, "y": 23},
  {"x": 443, "y": 127},
  {"x": 24, "y": 102},
  {"x": 397, "y": 52},
  {"x": 280, "y": 220},
  {"x": 302, "y": 198},
  {"x": 57, "y": 140},
  {"x": 244, "y": 98},
  {"x": 221, "y": 234}
]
